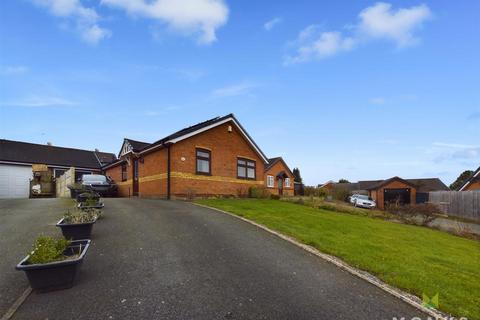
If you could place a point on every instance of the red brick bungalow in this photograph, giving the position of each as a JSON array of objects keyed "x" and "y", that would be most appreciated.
[
  {"x": 278, "y": 177},
  {"x": 215, "y": 157}
]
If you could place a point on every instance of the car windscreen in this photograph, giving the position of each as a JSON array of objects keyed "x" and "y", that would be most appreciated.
[
  {"x": 362, "y": 197},
  {"x": 94, "y": 178}
]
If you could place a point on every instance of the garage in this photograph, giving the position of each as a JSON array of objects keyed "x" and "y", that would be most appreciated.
[
  {"x": 15, "y": 181},
  {"x": 397, "y": 196},
  {"x": 393, "y": 191}
]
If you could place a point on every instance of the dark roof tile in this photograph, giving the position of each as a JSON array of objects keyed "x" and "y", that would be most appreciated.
[{"x": 17, "y": 151}]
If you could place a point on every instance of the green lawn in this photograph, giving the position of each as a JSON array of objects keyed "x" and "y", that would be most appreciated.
[{"x": 415, "y": 259}]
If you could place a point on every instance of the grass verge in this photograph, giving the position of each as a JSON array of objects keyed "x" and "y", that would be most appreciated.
[{"x": 415, "y": 259}]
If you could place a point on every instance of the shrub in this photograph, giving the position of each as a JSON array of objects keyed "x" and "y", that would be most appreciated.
[
  {"x": 310, "y": 191},
  {"x": 258, "y": 192},
  {"x": 46, "y": 249},
  {"x": 423, "y": 213},
  {"x": 79, "y": 216},
  {"x": 341, "y": 194},
  {"x": 91, "y": 202},
  {"x": 274, "y": 197}
]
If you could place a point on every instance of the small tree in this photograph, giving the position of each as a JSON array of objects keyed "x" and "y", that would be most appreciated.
[
  {"x": 343, "y": 181},
  {"x": 296, "y": 173},
  {"x": 462, "y": 178}
]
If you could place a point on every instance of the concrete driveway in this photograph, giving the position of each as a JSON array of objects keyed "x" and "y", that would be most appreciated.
[{"x": 154, "y": 259}]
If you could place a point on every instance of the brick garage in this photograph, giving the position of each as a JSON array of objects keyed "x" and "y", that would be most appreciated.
[
  {"x": 215, "y": 157},
  {"x": 393, "y": 190}
]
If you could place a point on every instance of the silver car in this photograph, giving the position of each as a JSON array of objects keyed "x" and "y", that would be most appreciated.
[{"x": 360, "y": 200}]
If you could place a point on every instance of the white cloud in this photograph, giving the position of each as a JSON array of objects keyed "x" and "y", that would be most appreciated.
[
  {"x": 13, "y": 70},
  {"x": 380, "y": 21},
  {"x": 376, "y": 22},
  {"x": 94, "y": 34},
  {"x": 40, "y": 101},
  {"x": 272, "y": 23},
  {"x": 318, "y": 45},
  {"x": 233, "y": 90},
  {"x": 454, "y": 151},
  {"x": 377, "y": 101},
  {"x": 86, "y": 19},
  {"x": 199, "y": 17}
]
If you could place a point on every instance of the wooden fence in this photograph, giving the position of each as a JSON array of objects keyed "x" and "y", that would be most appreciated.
[
  {"x": 463, "y": 204},
  {"x": 63, "y": 181}
]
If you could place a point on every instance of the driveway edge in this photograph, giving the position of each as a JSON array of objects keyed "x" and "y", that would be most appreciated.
[{"x": 406, "y": 297}]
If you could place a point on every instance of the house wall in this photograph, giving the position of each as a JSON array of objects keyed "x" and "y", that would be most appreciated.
[
  {"x": 124, "y": 187},
  {"x": 225, "y": 148},
  {"x": 153, "y": 174},
  {"x": 273, "y": 171},
  {"x": 472, "y": 186},
  {"x": 377, "y": 194}
]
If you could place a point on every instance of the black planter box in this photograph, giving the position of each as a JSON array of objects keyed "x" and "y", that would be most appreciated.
[
  {"x": 99, "y": 205},
  {"x": 82, "y": 197},
  {"x": 76, "y": 231},
  {"x": 55, "y": 275}
]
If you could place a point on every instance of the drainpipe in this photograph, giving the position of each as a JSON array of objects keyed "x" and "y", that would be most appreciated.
[{"x": 168, "y": 171}]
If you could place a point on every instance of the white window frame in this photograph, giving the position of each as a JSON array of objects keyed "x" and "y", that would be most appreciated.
[
  {"x": 272, "y": 184},
  {"x": 287, "y": 182}
]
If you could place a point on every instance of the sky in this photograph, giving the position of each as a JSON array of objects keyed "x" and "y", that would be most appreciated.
[{"x": 340, "y": 89}]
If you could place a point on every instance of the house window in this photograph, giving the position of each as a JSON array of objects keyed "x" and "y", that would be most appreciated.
[
  {"x": 287, "y": 182},
  {"x": 245, "y": 169},
  {"x": 58, "y": 172},
  {"x": 124, "y": 172},
  {"x": 270, "y": 182},
  {"x": 203, "y": 161}
]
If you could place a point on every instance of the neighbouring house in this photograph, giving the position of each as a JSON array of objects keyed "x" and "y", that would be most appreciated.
[
  {"x": 279, "y": 178},
  {"x": 396, "y": 189},
  {"x": 214, "y": 157},
  {"x": 473, "y": 183},
  {"x": 17, "y": 159}
]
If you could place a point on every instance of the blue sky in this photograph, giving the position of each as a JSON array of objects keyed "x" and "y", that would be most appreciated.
[{"x": 357, "y": 90}]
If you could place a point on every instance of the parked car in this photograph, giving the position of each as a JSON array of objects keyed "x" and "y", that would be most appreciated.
[
  {"x": 101, "y": 184},
  {"x": 360, "y": 200}
]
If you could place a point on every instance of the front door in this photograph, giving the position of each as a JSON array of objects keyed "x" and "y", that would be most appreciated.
[
  {"x": 135, "y": 177},
  {"x": 280, "y": 186}
]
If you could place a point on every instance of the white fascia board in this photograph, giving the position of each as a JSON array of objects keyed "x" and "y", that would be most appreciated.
[
  {"x": 48, "y": 165},
  {"x": 216, "y": 125}
]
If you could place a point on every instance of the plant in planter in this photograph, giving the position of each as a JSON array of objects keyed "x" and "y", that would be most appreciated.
[
  {"x": 88, "y": 195},
  {"x": 89, "y": 200},
  {"x": 77, "y": 224},
  {"x": 76, "y": 189},
  {"x": 53, "y": 263}
]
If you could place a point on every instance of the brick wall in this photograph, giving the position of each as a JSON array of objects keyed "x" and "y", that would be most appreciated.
[
  {"x": 224, "y": 146},
  {"x": 273, "y": 171},
  {"x": 124, "y": 187},
  {"x": 377, "y": 194},
  {"x": 472, "y": 186}
]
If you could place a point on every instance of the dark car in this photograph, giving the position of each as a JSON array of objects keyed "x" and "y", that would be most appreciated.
[{"x": 101, "y": 184}]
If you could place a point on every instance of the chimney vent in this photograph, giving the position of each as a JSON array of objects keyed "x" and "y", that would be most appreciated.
[{"x": 49, "y": 143}]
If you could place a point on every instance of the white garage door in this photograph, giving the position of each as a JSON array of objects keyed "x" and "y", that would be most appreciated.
[{"x": 14, "y": 181}]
